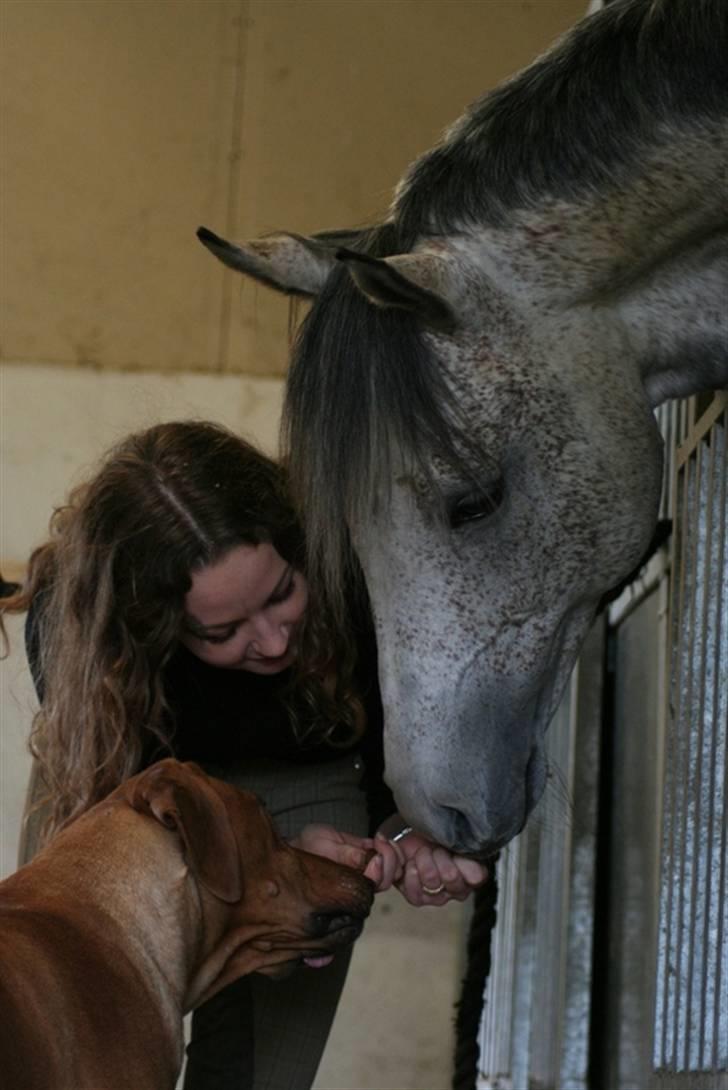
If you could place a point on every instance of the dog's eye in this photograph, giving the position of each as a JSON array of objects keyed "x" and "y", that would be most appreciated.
[{"x": 476, "y": 504}]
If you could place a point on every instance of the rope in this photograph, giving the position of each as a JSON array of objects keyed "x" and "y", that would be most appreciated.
[{"x": 472, "y": 990}]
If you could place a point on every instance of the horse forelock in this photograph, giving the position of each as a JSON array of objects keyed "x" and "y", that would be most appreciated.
[
  {"x": 578, "y": 118},
  {"x": 364, "y": 395}
]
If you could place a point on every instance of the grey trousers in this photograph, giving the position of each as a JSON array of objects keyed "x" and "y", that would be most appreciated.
[
  {"x": 291, "y": 1018},
  {"x": 260, "y": 1034}
]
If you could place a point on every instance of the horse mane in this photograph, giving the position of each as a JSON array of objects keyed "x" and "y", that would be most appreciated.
[
  {"x": 578, "y": 118},
  {"x": 364, "y": 390}
]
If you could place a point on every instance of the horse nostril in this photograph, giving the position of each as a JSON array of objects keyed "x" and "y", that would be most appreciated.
[
  {"x": 464, "y": 839},
  {"x": 461, "y": 835}
]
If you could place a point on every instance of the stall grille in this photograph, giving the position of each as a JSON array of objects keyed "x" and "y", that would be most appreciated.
[
  {"x": 666, "y": 930},
  {"x": 691, "y": 1011}
]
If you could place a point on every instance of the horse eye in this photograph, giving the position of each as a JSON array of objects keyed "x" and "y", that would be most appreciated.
[{"x": 476, "y": 505}]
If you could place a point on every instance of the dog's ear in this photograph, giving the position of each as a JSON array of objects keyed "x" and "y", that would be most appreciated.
[{"x": 183, "y": 797}]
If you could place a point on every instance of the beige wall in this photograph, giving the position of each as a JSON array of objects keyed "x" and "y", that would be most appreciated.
[{"x": 125, "y": 124}]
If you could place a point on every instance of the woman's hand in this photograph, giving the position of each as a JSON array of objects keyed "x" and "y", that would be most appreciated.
[
  {"x": 431, "y": 874},
  {"x": 380, "y": 863}
]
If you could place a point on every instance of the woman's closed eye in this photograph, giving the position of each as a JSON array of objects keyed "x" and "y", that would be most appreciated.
[
  {"x": 283, "y": 592},
  {"x": 218, "y": 637},
  {"x": 224, "y": 634},
  {"x": 221, "y": 636}
]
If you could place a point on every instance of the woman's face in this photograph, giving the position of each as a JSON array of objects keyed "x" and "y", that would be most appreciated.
[{"x": 242, "y": 612}]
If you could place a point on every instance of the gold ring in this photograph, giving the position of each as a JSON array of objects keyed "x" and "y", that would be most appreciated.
[{"x": 433, "y": 892}]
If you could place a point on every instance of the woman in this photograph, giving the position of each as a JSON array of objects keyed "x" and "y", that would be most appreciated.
[{"x": 169, "y": 613}]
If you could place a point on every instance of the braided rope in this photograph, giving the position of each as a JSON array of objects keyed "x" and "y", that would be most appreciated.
[{"x": 472, "y": 990}]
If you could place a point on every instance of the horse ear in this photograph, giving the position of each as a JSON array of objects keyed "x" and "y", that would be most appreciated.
[
  {"x": 182, "y": 797},
  {"x": 411, "y": 282},
  {"x": 287, "y": 262}
]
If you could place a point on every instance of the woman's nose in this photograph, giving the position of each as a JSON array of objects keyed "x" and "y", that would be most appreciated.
[{"x": 270, "y": 639}]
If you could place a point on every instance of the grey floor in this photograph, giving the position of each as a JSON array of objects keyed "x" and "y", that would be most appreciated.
[{"x": 394, "y": 1026}]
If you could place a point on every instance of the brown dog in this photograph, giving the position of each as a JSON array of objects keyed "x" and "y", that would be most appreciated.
[{"x": 170, "y": 888}]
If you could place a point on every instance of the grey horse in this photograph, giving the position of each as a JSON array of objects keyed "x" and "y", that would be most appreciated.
[{"x": 470, "y": 399}]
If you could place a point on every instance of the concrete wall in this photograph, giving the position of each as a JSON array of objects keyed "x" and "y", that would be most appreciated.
[
  {"x": 127, "y": 124},
  {"x": 124, "y": 125}
]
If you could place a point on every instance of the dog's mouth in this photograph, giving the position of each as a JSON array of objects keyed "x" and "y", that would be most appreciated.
[
  {"x": 336, "y": 932},
  {"x": 340, "y": 932},
  {"x": 327, "y": 934}
]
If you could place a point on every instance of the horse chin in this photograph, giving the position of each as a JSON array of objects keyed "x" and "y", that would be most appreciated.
[{"x": 480, "y": 833}]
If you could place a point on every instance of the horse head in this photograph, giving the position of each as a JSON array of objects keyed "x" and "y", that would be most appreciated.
[{"x": 470, "y": 398}]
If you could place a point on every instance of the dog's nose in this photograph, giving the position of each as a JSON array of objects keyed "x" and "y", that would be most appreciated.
[{"x": 328, "y": 923}]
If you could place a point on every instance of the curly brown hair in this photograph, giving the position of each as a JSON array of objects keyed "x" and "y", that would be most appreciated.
[{"x": 110, "y": 585}]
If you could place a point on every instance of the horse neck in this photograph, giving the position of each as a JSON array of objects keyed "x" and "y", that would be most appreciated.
[
  {"x": 595, "y": 245},
  {"x": 645, "y": 260}
]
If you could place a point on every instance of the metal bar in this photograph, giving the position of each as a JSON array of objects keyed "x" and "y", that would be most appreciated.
[
  {"x": 720, "y": 704},
  {"x": 700, "y": 736},
  {"x": 678, "y": 491},
  {"x": 692, "y": 435},
  {"x": 586, "y": 718},
  {"x": 663, "y": 985},
  {"x": 683, "y": 687},
  {"x": 665, "y": 993},
  {"x": 687, "y": 863}
]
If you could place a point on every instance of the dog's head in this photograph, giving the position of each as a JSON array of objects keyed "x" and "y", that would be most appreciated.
[{"x": 266, "y": 906}]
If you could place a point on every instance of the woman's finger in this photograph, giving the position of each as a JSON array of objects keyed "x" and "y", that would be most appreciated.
[{"x": 474, "y": 873}]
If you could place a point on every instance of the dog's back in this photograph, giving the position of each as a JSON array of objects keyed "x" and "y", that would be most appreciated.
[{"x": 66, "y": 1022}]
